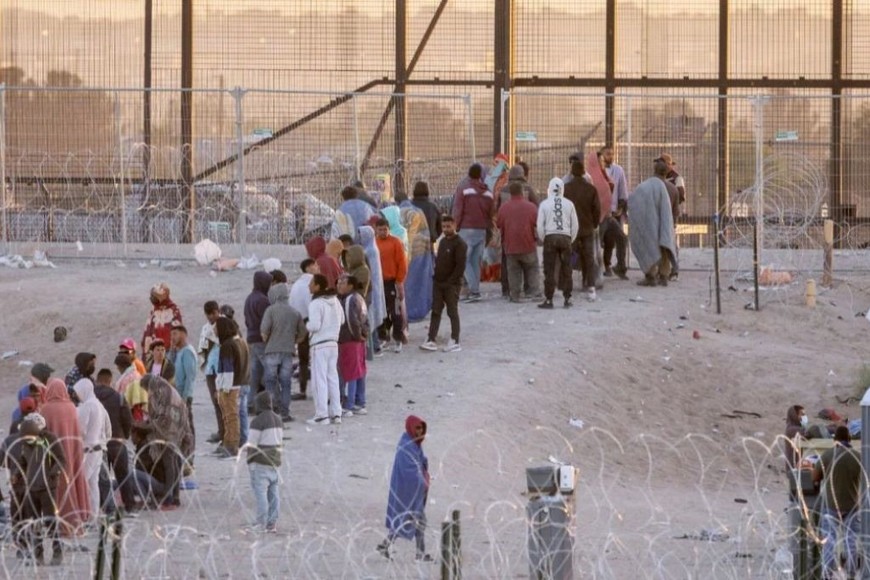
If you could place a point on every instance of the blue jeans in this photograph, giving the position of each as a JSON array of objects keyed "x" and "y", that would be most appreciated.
[
  {"x": 832, "y": 526},
  {"x": 257, "y": 351},
  {"x": 264, "y": 482},
  {"x": 146, "y": 486},
  {"x": 476, "y": 241},
  {"x": 244, "y": 392},
  {"x": 277, "y": 378},
  {"x": 356, "y": 394}
]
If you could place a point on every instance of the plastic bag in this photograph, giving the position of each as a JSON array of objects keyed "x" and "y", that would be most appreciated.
[{"x": 206, "y": 252}]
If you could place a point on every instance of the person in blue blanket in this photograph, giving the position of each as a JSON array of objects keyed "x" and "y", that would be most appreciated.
[{"x": 409, "y": 490}]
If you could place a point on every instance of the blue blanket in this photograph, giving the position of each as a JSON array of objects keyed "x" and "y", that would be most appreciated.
[{"x": 407, "y": 500}]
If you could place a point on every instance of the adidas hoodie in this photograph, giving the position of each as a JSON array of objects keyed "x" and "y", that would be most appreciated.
[{"x": 556, "y": 215}]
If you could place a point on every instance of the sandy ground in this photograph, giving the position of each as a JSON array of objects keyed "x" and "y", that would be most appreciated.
[{"x": 657, "y": 458}]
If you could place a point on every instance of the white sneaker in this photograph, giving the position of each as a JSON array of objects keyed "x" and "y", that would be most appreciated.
[
  {"x": 318, "y": 421},
  {"x": 336, "y": 420},
  {"x": 360, "y": 411},
  {"x": 347, "y": 413},
  {"x": 591, "y": 296},
  {"x": 452, "y": 346},
  {"x": 429, "y": 345},
  {"x": 398, "y": 348}
]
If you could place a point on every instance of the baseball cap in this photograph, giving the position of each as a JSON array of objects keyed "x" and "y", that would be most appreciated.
[{"x": 128, "y": 343}]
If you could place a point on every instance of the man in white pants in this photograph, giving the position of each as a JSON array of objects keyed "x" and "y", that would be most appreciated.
[
  {"x": 325, "y": 317},
  {"x": 96, "y": 430}
]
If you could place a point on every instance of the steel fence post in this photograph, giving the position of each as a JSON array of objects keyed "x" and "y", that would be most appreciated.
[
  {"x": 469, "y": 106},
  {"x": 123, "y": 194},
  {"x": 357, "y": 153},
  {"x": 3, "y": 200},
  {"x": 242, "y": 222}
]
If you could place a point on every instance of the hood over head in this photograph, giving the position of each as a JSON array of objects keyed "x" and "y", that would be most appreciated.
[
  {"x": 262, "y": 281},
  {"x": 56, "y": 391},
  {"x": 27, "y": 405},
  {"x": 366, "y": 235},
  {"x": 517, "y": 172},
  {"x": 83, "y": 361},
  {"x": 225, "y": 328},
  {"x": 263, "y": 402},
  {"x": 315, "y": 247},
  {"x": 84, "y": 389},
  {"x": 160, "y": 291},
  {"x": 279, "y": 293},
  {"x": 411, "y": 422},
  {"x": 355, "y": 257},
  {"x": 334, "y": 248},
  {"x": 556, "y": 188}
]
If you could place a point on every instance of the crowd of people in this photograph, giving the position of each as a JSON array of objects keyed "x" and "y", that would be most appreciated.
[{"x": 123, "y": 437}]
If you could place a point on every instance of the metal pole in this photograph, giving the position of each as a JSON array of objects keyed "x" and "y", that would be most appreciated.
[
  {"x": 146, "y": 96},
  {"x": 505, "y": 95},
  {"x": 357, "y": 152},
  {"x": 629, "y": 169},
  {"x": 469, "y": 106},
  {"x": 456, "y": 548},
  {"x": 187, "y": 177},
  {"x": 117, "y": 540},
  {"x": 503, "y": 69},
  {"x": 759, "y": 171},
  {"x": 755, "y": 244},
  {"x": 122, "y": 191},
  {"x": 716, "y": 263},
  {"x": 3, "y": 200},
  {"x": 100, "y": 565},
  {"x": 446, "y": 543},
  {"x": 865, "y": 462},
  {"x": 242, "y": 227},
  {"x": 400, "y": 112}
]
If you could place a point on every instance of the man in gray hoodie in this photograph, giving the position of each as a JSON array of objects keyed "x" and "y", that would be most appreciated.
[
  {"x": 557, "y": 226},
  {"x": 282, "y": 329}
]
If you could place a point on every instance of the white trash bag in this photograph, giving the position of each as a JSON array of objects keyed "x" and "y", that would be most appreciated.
[
  {"x": 206, "y": 252},
  {"x": 271, "y": 264}
]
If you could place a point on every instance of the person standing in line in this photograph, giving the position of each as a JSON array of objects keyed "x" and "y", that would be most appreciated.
[
  {"x": 517, "y": 220},
  {"x": 377, "y": 304},
  {"x": 517, "y": 174},
  {"x": 352, "y": 345},
  {"x": 394, "y": 269},
  {"x": 233, "y": 373},
  {"x": 473, "y": 212},
  {"x": 264, "y": 458},
  {"x": 96, "y": 430},
  {"x": 409, "y": 491},
  {"x": 325, "y": 317},
  {"x": 282, "y": 329},
  {"x": 185, "y": 371},
  {"x": 840, "y": 473},
  {"x": 300, "y": 299},
  {"x": 447, "y": 281},
  {"x": 121, "y": 421},
  {"x": 557, "y": 226},
  {"x": 429, "y": 209},
  {"x": 209, "y": 348},
  {"x": 675, "y": 179},
  {"x": 43, "y": 462},
  {"x": 128, "y": 346},
  {"x": 158, "y": 363},
  {"x": 652, "y": 228},
  {"x": 587, "y": 205},
  {"x": 351, "y": 214},
  {"x": 613, "y": 236},
  {"x": 255, "y": 306}
]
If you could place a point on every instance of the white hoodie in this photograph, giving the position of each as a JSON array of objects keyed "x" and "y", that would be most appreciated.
[
  {"x": 556, "y": 215},
  {"x": 94, "y": 422},
  {"x": 325, "y": 317}
]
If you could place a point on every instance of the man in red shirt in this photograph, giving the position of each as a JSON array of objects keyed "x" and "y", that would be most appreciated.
[
  {"x": 517, "y": 220},
  {"x": 394, "y": 269}
]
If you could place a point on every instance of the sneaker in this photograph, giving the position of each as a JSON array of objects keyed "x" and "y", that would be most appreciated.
[
  {"x": 56, "y": 558},
  {"x": 298, "y": 397},
  {"x": 452, "y": 346},
  {"x": 546, "y": 304},
  {"x": 379, "y": 353},
  {"x": 288, "y": 418},
  {"x": 621, "y": 273},
  {"x": 271, "y": 529},
  {"x": 476, "y": 297},
  {"x": 215, "y": 438},
  {"x": 346, "y": 413},
  {"x": 568, "y": 303},
  {"x": 384, "y": 550},
  {"x": 224, "y": 453},
  {"x": 674, "y": 276},
  {"x": 663, "y": 281},
  {"x": 360, "y": 411},
  {"x": 591, "y": 296},
  {"x": 429, "y": 345},
  {"x": 423, "y": 557},
  {"x": 318, "y": 421},
  {"x": 647, "y": 281},
  {"x": 398, "y": 348},
  {"x": 608, "y": 272},
  {"x": 252, "y": 529},
  {"x": 335, "y": 420}
]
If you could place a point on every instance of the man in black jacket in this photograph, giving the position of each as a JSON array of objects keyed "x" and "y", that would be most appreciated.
[
  {"x": 449, "y": 270},
  {"x": 584, "y": 196},
  {"x": 116, "y": 450}
]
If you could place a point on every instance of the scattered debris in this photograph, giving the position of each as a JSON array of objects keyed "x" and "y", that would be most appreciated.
[
  {"x": 172, "y": 266},
  {"x": 732, "y": 288},
  {"x": 555, "y": 461},
  {"x": 750, "y": 413},
  {"x": 681, "y": 325},
  {"x": 8, "y": 354},
  {"x": 15, "y": 261},
  {"x": 574, "y": 422},
  {"x": 668, "y": 368},
  {"x": 705, "y": 536},
  {"x": 770, "y": 277},
  {"x": 60, "y": 333},
  {"x": 683, "y": 317},
  {"x": 636, "y": 299},
  {"x": 412, "y": 402},
  {"x": 531, "y": 381},
  {"x": 225, "y": 264},
  {"x": 743, "y": 555},
  {"x": 271, "y": 264},
  {"x": 696, "y": 335},
  {"x": 357, "y": 476},
  {"x": 740, "y": 500},
  {"x": 397, "y": 386},
  {"x": 207, "y": 252},
  {"x": 248, "y": 263},
  {"x": 40, "y": 260}
]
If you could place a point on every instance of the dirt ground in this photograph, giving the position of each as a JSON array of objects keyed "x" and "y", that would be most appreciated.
[{"x": 660, "y": 462}]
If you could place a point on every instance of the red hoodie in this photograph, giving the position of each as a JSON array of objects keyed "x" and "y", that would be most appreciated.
[
  {"x": 473, "y": 205},
  {"x": 316, "y": 248}
]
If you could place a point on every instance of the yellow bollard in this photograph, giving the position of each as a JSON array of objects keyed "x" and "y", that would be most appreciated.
[{"x": 811, "y": 293}]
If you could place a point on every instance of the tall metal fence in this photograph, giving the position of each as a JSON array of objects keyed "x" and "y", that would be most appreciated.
[{"x": 267, "y": 167}]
